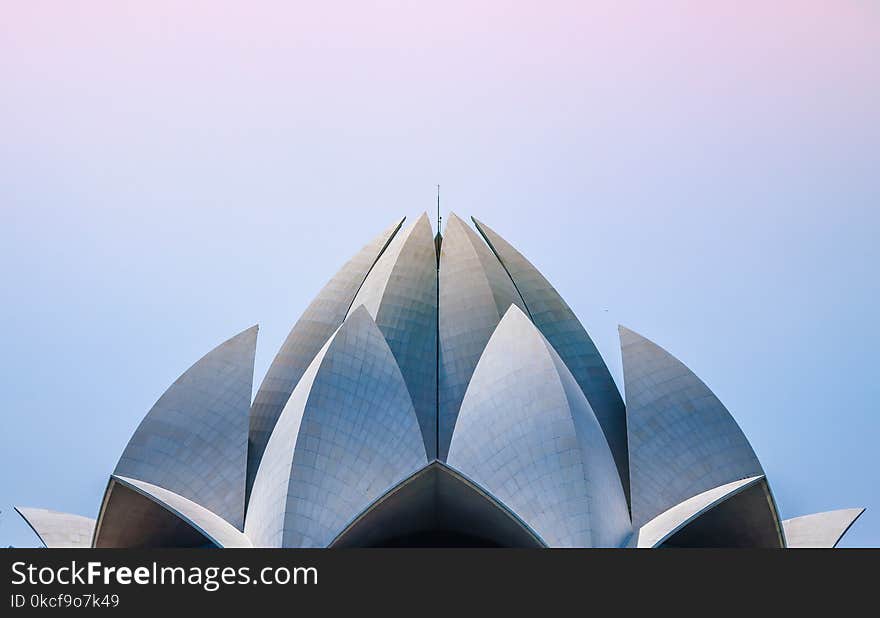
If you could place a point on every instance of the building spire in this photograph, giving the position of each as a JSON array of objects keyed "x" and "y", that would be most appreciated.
[
  {"x": 439, "y": 218},
  {"x": 438, "y": 239}
]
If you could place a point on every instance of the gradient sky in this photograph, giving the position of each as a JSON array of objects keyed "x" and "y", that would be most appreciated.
[{"x": 172, "y": 173}]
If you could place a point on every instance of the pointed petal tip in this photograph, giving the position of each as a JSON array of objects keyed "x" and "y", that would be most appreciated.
[
  {"x": 57, "y": 529},
  {"x": 514, "y": 313},
  {"x": 824, "y": 529},
  {"x": 359, "y": 313},
  {"x": 359, "y": 317},
  {"x": 248, "y": 333},
  {"x": 854, "y": 512},
  {"x": 424, "y": 221},
  {"x": 482, "y": 227},
  {"x": 22, "y": 511},
  {"x": 485, "y": 231},
  {"x": 626, "y": 334},
  {"x": 394, "y": 227}
]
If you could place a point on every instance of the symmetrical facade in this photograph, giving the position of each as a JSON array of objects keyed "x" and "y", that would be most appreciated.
[{"x": 438, "y": 392}]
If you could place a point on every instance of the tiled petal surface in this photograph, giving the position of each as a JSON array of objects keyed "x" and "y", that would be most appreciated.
[
  {"x": 213, "y": 527},
  {"x": 475, "y": 291},
  {"x": 682, "y": 440},
  {"x": 667, "y": 523},
  {"x": 527, "y": 434},
  {"x": 558, "y": 323},
  {"x": 193, "y": 441},
  {"x": 320, "y": 320},
  {"x": 400, "y": 294},
  {"x": 347, "y": 434},
  {"x": 57, "y": 529},
  {"x": 820, "y": 529}
]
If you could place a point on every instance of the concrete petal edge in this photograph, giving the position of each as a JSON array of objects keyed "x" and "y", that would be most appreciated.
[
  {"x": 56, "y": 529},
  {"x": 193, "y": 441},
  {"x": 212, "y": 526},
  {"x": 667, "y": 523},
  {"x": 820, "y": 530},
  {"x": 682, "y": 440},
  {"x": 317, "y": 323},
  {"x": 558, "y": 323},
  {"x": 490, "y": 519},
  {"x": 400, "y": 293},
  {"x": 348, "y": 432},
  {"x": 527, "y": 434},
  {"x": 475, "y": 292}
]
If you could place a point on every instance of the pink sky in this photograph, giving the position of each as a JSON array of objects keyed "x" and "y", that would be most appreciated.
[{"x": 130, "y": 71}]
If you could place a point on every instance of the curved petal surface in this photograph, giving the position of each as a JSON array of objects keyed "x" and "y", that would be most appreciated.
[
  {"x": 437, "y": 507},
  {"x": 317, "y": 323},
  {"x": 194, "y": 440},
  {"x": 820, "y": 529},
  {"x": 400, "y": 293},
  {"x": 348, "y": 432},
  {"x": 57, "y": 529},
  {"x": 667, "y": 523},
  {"x": 558, "y": 323},
  {"x": 527, "y": 434},
  {"x": 746, "y": 518},
  {"x": 139, "y": 514},
  {"x": 475, "y": 292},
  {"x": 682, "y": 440}
]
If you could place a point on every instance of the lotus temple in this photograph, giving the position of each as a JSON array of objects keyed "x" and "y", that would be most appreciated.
[{"x": 438, "y": 392}]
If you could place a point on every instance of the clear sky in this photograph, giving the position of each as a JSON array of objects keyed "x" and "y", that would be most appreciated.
[{"x": 174, "y": 172}]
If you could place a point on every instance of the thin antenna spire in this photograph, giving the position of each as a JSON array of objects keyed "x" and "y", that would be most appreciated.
[{"x": 439, "y": 218}]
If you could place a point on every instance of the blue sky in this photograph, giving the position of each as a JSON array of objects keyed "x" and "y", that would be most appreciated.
[{"x": 169, "y": 177}]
